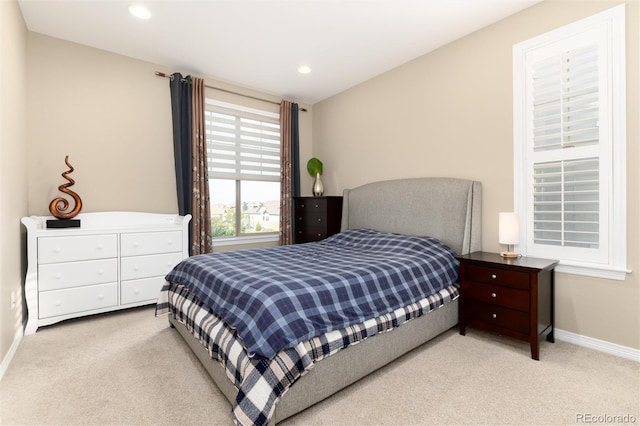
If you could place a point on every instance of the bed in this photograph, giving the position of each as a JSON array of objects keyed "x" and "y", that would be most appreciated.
[{"x": 448, "y": 210}]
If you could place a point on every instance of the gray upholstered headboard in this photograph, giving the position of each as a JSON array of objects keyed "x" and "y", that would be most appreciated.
[{"x": 449, "y": 209}]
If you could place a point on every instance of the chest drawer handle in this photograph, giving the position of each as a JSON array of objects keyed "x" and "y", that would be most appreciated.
[
  {"x": 317, "y": 205},
  {"x": 494, "y": 276},
  {"x": 493, "y": 295},
  {"x": 302, "y": 205},
  {"x": 494, "y": 316}
]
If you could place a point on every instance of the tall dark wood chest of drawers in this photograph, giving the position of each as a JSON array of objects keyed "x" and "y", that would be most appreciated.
[
  {"x": 513, "y": 297},
  {"x": 316, "y": 218}
]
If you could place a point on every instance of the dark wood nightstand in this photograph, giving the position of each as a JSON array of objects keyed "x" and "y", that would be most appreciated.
[
  {"x": 316, "y": 218},
  {"x": 513, "y": 297}
]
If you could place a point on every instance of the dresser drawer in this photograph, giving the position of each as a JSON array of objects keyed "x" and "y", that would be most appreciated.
[
  {"x": 496, "y": 316},
  {"x": 82, "y": 247},
  {"x": 311, "y": 206},
  {"x": 139, "y": 243},
  {"x": 55, "y": 276},
  {"x": 496, "y": 276},
  {"x": 497, "y": 295},
  {"x": 135, "y": 267},
  {"x": 146, "y": 289},
  {"x": 81, "y": 299},
  {"x": 311, "y": 234}
]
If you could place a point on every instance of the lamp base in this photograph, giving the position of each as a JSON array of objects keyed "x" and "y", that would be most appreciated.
[{"x": 509, "y": 255}]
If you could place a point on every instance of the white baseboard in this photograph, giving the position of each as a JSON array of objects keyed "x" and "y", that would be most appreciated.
[
  {"x": 598, "y": 345},
  {"x": 10, "y": 354}
]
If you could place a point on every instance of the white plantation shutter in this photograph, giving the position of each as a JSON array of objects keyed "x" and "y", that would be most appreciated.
[
  {"x": 242, "y": 143},
  {"x": 569, "y": 145},
  {"x": 565, "y": 100},
  {"x": 566, "y": 203},
  {"x": 565, "y": 126}
]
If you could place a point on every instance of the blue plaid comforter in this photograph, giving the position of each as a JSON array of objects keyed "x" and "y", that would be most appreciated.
[{"x": 278, "y": 297}]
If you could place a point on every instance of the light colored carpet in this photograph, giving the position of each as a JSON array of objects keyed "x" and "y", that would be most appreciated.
[{"x": 130, "y": 368}]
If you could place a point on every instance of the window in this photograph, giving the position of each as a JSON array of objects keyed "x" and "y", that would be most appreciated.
[
  {"x": 243, "y": 153},
  {"x": 569, "y": 145}
]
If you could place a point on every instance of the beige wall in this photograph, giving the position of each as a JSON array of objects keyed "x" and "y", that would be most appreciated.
[
  {"x": 449, "y": 113},
  {"x": 13, "y": 168}
]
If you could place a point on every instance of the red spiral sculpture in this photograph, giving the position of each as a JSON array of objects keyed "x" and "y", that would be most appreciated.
[{"x": 58, "y": 206}]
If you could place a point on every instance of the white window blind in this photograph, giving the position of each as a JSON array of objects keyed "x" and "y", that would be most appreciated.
[
  {"x": 242, "y": 143},
  {"x": 569, "y": 145}
]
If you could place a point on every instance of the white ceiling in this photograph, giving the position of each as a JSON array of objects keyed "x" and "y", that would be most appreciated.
[{"x": 259, "y": 44}]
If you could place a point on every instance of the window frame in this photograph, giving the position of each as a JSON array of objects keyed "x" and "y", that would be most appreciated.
[
  {"x": 239, "y": 237},
  {"x": 612, "y": 264}
]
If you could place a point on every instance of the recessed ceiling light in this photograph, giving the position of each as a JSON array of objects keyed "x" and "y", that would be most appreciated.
[
  {"x": 140, "y": 11},
  {"x": 304, "y": 69}
]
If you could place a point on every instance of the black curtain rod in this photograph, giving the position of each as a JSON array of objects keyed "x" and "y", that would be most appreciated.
[{"x": 170, "y": 77}]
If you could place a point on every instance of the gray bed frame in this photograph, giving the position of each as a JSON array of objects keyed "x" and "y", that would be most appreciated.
[{"x": 446, "y": 208}]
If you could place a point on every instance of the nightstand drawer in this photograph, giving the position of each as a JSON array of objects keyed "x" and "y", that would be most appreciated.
[
  {"x": 495, "y": 276},
  {"x": 497, "y": 316},
  {"x": 497, "y": 295}
]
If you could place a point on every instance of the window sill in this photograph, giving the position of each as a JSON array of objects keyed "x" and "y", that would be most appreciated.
[
  {"x": 237, "y": 241},
  {"x": 609, "y": 273}
]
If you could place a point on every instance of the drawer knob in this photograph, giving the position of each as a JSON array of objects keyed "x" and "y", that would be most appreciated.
[
  {"x": 493, "y": 295},
  {"x": 319, "y": 235},
  {"x": 317, "y": 205},
  {"x": 494, "y": 276},
  {"x": 58, "y": 303},
  {"x": 100, "y": 296},
  {"x": 58, "y": 276},
  {"x": 100, "y": 271},
  {"x": 494, "y": 316},
  {"x": 136, "y": 268},
  {"x": 136, "y": 291},
  {"x": 302, "y": 205},
  {"x": 319, "y": 220},
  {"x": 170, "y": 242},
  {"x": 57, "y": 249}
]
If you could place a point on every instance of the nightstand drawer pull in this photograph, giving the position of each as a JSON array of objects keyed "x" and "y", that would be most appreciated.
[
  {"x": 494, "y": 276},
  {"x": 494, "y": 316},
  {"x": 493, "y": 295}
]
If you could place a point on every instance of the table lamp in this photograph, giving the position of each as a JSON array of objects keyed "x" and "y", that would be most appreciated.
[{"x": 509, "y": 232}]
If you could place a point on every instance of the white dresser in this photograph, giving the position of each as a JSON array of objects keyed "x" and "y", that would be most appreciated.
[{"x": 115, "y": 260}]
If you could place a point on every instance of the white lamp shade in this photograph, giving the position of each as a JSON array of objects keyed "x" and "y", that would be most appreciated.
[{"x": 509, "y": 228}]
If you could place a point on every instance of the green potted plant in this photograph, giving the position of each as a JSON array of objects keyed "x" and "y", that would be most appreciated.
[{"x": 314, "y": 167}]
